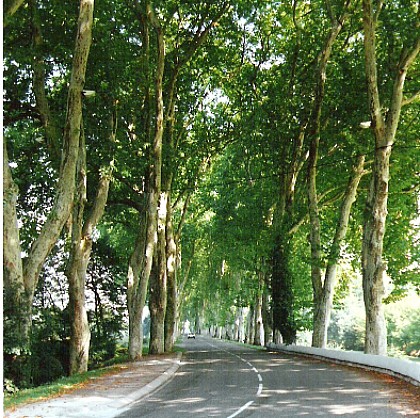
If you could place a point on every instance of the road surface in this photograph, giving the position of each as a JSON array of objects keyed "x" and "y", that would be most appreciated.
[{"x": 221, "y": 379}]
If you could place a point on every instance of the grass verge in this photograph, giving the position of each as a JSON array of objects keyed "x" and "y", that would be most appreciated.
[{"x": 59, "y": 387}]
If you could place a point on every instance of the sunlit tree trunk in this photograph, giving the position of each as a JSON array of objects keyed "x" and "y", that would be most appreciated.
[
  {"x": 171, "y": 268},
  {"x": 80, "y": 251},
  {"x": 65, "y": 187},
  {"x": 321, "y": 294},
  {"x": 241, "y": 326},
  {"x": 16, "y": 304},
  {"x": 236, "y": 324},
  {"x": 323, "y": 305},
  {"x": 76, "y": 273},
  {"x": 266, "y": 310},
  {"x": 142, "y": 258},
  {"x": 139, "y": 269},
  {"x": 165, "y": 280},
  {"x": 384, "y": 130}
]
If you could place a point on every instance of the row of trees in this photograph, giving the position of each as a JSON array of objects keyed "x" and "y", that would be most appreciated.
[{"x": 212, "y": 154}]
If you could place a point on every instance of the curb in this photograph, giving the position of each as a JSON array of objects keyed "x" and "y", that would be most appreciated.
[
  {"x": 150, "y": 387},
  {"x": 400, "y": 368}
]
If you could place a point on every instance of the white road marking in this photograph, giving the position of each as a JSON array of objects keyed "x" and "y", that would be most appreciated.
[
  {"x": 260, "y": 385},
  {"x": 248, "y": 404}
]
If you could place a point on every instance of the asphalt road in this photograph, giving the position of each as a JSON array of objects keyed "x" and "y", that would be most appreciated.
[{"x": 220, "y": 379}]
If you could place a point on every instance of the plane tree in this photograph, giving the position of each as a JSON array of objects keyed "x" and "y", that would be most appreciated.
[{"x": 21, "y": 276}]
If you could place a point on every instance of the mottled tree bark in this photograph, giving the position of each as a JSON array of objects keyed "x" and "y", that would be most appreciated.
[
  {"x": 141, "y": 261},
  {"x": 384, "y": 130},
  {"x": 171, "y": 268},
  {"x": 65, "y": 187},
  {"x": 80, "y": 251},
  {"x": 158, "y": 284},
  {"x": 16, "y": 304},
  {"x": 76, "y": 274},
  {"x": 157, "y": 303},
  {"x": 139, "y": 269}
]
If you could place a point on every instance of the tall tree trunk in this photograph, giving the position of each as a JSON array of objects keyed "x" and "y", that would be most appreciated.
[
  {"x": 323, "y": 305},
  {"x": 259, "y": 326},
  {"x": 266, "y": 308},
  {"x": 314, "y": 128},
  {"x": 282, "y": 292},
  {"x": 373, "y": 266},
  {"x": 139, "y": 269},
  {"x": 250, "y": 329},
  {"x": 183, "y": 282},
  {"x": 241, "y": 326},
  {"x": 15, "y": 299},
  {"x": 171, "y": 261},
  {"x": 80, "y": 251},
  {"x": 282, "y": 299},
  {"x": 65, "y": 188},
  {"x": 76, "y": 274},
  {"x": 141, "y": 260},
  {"x": 384, "y": 130},
  {"x": 158, "y": 295},
  {"x": 158, "y": 284}
]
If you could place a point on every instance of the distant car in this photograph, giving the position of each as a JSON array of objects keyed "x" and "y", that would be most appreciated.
[{"x": 191, "y": 335}]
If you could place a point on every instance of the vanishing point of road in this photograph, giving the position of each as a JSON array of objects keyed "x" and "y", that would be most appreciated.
[{"x": 220, "y": 379}]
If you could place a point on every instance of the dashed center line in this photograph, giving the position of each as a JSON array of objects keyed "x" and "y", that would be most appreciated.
[
  {"x": 260, "y": 385},
  {"x": 241, "y": 409}
]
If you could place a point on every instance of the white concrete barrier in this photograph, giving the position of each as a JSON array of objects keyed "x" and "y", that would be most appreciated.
[{"x": 405, "y": 369}]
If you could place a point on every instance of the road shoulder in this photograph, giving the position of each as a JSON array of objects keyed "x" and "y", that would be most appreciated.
[{"x": 106, "y": 396}]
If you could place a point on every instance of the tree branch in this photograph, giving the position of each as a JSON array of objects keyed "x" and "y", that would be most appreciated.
[
  {"x": 11, "y": 7},
  {"x": 411, "y": 99}
]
